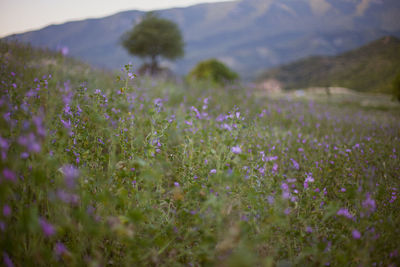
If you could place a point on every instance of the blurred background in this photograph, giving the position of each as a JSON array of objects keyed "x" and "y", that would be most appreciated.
[{"x": 276, "y": 43}]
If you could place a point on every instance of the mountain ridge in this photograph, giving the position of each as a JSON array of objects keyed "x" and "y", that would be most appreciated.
[{"x": 248, "y": 35}]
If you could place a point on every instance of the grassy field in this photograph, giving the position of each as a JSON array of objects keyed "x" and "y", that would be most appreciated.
[{"x": 101, "y": 169}]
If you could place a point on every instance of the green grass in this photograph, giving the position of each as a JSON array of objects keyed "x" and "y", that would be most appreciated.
[{"x": 103, "y": 170}]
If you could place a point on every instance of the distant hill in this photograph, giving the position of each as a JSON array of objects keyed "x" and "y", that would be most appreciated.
[
  {"x": 247, "y": 35},
  {"x": 370, "y": 68}
]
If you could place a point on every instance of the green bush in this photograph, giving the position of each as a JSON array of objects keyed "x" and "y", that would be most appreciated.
[{"x": 213, "y": 70}]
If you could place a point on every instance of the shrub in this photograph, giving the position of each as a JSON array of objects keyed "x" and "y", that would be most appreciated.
[{"x": 213, "y": 70}]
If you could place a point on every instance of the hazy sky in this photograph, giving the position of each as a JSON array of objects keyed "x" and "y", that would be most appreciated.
[{"x": 22, "y": 15}]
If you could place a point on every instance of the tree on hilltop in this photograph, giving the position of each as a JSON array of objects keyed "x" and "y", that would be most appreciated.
[{"x": 152, "y": 38}]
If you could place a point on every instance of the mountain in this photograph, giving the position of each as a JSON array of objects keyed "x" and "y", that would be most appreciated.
[
  {"x": 370, "y": 68},
  {"x": 248, "y": 35}
]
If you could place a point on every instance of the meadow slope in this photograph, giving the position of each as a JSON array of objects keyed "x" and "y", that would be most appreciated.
[{"x": 101, "y": 169}]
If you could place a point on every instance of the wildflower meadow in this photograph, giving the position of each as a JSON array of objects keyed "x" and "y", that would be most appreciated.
[{"x": 113, "y": 169}]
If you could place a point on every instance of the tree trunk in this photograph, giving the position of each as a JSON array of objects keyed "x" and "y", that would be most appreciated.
[{"x": 153, "y": 66}]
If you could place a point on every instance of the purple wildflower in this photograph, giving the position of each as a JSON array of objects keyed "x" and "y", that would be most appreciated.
[
  {"x": 7, "y": 260},
  {"x": 227, "y": 127},
  {"x": 309, "y": 179},
  {"x": 60, "y": 249},
  {"x": 195, "y": 110},
  {"x": 47, "y": 228},
  {"x": 213, "y": 171},
  {"x": 131, "y": 76},
  {"x": 275, "y": 168},
  {"x": 70, "y": 175},
  {"x": 356, "y": 234},
  {"x": 9, "y": 175},
  {"x": 271, "y": 158},
  {"x": 6, "y": 210},
  {"x": 2, "y": 226},
  {"x": 4, "y": 143},
  {"x": 176, "y": 184},
  {"x": 295, "y": 164},
  {"x": 24, "y": 155},
  {"x": 369, "y": 204},
  {"x": 344, "y": 212},
  {"x": 236, "y": 150},
  {"x": 67, "y": 197},
  {"x": 285, "y": 191}
]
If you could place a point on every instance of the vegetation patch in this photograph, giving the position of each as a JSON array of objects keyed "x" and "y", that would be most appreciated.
[{"x": 97, "y": 170}]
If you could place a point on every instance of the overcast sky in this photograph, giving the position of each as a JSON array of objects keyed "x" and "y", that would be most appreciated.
[{"x": 23, "y": 15}]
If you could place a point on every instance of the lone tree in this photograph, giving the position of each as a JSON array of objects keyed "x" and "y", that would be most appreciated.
[{"x": 152, "y": 38}]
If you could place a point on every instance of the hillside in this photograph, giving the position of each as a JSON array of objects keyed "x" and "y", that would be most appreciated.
[
  {"x": 248, "y": 35},
  {"x": 96, "y": 171},
  {"x": 370, "y": 68}
]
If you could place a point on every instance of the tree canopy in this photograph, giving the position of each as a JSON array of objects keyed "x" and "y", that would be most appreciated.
[{"x": 154, "y": 37}]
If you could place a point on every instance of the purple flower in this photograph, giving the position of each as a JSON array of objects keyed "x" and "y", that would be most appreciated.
[
  {"x": 285, "y": 191},
  {"x": 356, "y": 234},
  {"x": 195, "y": 110},
  {"x": 295, "y": 164},
  {"x": 236, "y": 150},
  {"x": 131, "y": 76},
  {"x": 271, "y": 158},
  {"x": 60, "y": 249},
  {"x": 2, "y": 226},
  {"x": 38, "y": 121},
  {"x": 70, "y": 175},
  {"x": 275, "y": 168},
  {"x": 213, "y": 171},
  {"x": 24, "y": 155},
  {"x": 176, "y": 184},
  {"x": 344, "y": 212},
  {"x": 30, "y": 142},
  {"x": 4, "y": 143},
  {"x": 7, "y": 260},
  {"x": 369, "y": 204},
  {"x": 9, "y": 175},
  {"x": 309, "y": 179},
  {"x": 6, "y": 210},
  {"x": 67, "y": 197},
  {"x": 47, "y": 228},
  {"x": 309, "y": 229},
  {"x": 227, "y": 127}
]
